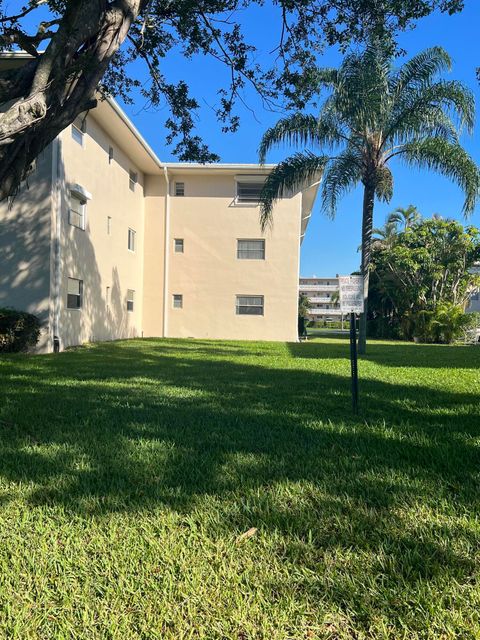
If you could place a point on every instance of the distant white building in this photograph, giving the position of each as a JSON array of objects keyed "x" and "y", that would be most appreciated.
[{"x": 323, "y": 296}]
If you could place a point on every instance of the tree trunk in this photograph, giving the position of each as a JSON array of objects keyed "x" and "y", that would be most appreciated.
[
  {"x": 367, "y": 226},
  {"x": 44, "y": 97}
]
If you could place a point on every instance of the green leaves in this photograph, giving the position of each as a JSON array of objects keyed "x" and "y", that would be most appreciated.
[
  {"x": 449, "y": 159},
  {"x": 297, "y": 171}
]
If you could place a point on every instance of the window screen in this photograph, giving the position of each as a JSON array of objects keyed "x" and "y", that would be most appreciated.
[
  {"x": 133, "y": 180},
  {"x": 76, "y": 215},
  {"x": 179, "y": 188},
  {"x": 79, "y": 127},
  {"x": 249, "y": 191},
  {"x": 74, "y": 293},
  {"x": 250, "y": 305},
  {"x": 251, "y": 249},
  {"x": 177, "y": 301},
  {"x": 178, "y": 245},
  {"x": 131, "y": 240},
  {"x": 130, "y": 299}
]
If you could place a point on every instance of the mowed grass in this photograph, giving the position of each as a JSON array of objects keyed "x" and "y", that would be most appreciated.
[{"x": 129, "y": 472}]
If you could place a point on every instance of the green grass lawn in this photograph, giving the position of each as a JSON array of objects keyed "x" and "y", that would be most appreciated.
[{"x": 129, "y": 470}]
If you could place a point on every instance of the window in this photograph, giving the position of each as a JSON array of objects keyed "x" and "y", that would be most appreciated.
[
  {"x": 179, "y": 189},
  {"x": 178, "y": 245},
  {"x": 133, "y": 180},
  {"x": 110, "y": 155},
  {"x": 177, "y": 301},
  {"x": 107, "y": 297},
  {"x": 131, "y": 240},
  {"x": 79, "y": 127},
  {"x": 76, "y": 214},
  {"x": 109, "y": 225},
  {"x": 251, "y": 249},
  {"x": 249, "y": 192},
  {"x": 249, "y": 305},
  {"x": 130, "y": 299},
  {"x": 74, "y": 293}
]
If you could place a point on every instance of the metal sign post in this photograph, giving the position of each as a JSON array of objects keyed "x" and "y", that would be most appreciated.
[{"x": 351, "y": 301}]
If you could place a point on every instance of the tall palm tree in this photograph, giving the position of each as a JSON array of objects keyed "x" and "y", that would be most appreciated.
[
  {"x": 375, "y": 113},
  {"x": 405, "y": 216}
]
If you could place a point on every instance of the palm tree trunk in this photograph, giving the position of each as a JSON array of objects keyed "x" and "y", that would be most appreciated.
[{"x": 367, "y": 226}]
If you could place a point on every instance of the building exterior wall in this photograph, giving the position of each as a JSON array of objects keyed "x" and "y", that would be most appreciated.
[
  {"x": 99, "y": 258},
  {"x": 208, "y": 274},
  {"x": 320, "y": 292},
  {"x": 154, "y": 256},
  {"x": 40, "y": 248},
  {"x": 25, "y": 246}
]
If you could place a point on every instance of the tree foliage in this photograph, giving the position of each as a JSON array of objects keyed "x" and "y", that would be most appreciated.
[
  {"x": 373, "y": 114},
  {"x": 420, "y": 283},
  {"x": 87, "y": 47}
]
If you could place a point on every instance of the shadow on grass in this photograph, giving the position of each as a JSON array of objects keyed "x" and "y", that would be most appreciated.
[
  {"x": 393, "y": 354},
  {"x": 137, "y": 425}
]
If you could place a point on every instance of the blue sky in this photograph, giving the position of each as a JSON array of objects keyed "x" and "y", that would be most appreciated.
[{"x": 330, "y": 247}]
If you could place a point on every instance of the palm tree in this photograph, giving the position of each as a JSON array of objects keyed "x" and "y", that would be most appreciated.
[
  {"x": 406, "y": 217},
  {"x": 386, "y": 235},
  {"x": 373, "y": 114}
]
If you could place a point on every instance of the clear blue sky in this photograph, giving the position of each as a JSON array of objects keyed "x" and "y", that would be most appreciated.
[{"x": 330, "y": 247}]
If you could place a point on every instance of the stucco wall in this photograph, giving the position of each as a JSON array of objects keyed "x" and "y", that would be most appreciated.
[
  {"x": 25, "y": 246},
  {"x": 92, "y": 255},
  {"x": 209, "y": 275},
  {"x": 154, "y": 244}
]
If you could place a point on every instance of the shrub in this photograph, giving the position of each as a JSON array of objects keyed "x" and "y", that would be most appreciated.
[
  {"x": 19, "y": 330},
  {"x": 443, "y": 325}
]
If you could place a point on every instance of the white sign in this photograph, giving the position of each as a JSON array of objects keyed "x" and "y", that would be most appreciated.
[{"x": 351, "y": 294}]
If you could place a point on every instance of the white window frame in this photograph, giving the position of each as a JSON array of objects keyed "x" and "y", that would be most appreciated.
[
  {"x": 132, "y": 234},
  {"x": 79, "y": 128},
  {"x": 130, "y": 300},
  {"x": 179, "y": 189},
  {"x": 109, "y": 225},
  {"x": 82, "y": 213},
  {"x": 246, "y": 179},
  {"x": 77, "y": 295},
  {"x": 177, "y": 297},
  {"x": 132, "y": 179},
  {"x": 239, "y": 306},
  {"x": 180, "y": 247},
  {"x": 251, "y": 251}
]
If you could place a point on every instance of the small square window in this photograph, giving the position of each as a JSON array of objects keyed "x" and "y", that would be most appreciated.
[
  {"x": 178, "y": 245},
  {"x": 76, "y": 213},
  {"x": 130, "y": 299},
  {"x": 177, "y": 301},
  {"x": 74, "y": 293},
  {"x": 133, "y": 180},
  {"x": 179, "y": 189},
  {"x": 131, "y": 240}
]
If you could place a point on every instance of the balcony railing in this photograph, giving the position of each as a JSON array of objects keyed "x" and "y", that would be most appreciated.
[{"x": 318, "y": 287}]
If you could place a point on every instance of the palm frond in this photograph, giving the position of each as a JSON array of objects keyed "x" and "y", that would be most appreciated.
[
  {"x": 342, "y": 174},
  {"x": 298, "y": 170},
  {"x": 300, "y": 130},
  {"x": 421, "y": 70},
  {"x": 450, "y": 160}
]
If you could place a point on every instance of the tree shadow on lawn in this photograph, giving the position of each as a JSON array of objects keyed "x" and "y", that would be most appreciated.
[
  {"x": 126, "y": 428},
  {"x": 395, "y": 354}
]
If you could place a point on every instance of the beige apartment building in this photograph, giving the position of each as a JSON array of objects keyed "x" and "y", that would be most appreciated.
[{"x": 105, "y": 241}]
